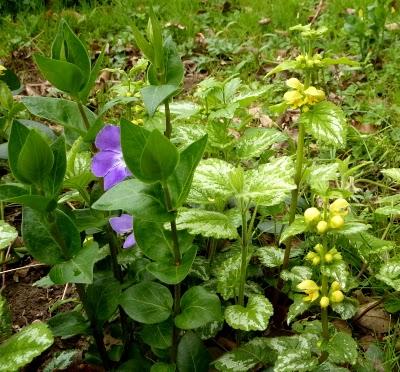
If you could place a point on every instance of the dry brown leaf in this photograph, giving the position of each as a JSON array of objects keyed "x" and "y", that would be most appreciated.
[{"x": 377, "y": 319}]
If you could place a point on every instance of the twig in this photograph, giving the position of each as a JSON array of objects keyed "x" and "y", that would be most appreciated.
[
  {"x": 317, "y": 12},
  {"x": 65, "y": 292},
  {"x": 369, "y": 308},
  {"x": 20, "y": 268}
]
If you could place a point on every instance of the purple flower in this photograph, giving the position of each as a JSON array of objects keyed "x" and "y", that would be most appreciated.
[
  {"x": 108, "y": 162},
  {"x": 124, "y": 225}
]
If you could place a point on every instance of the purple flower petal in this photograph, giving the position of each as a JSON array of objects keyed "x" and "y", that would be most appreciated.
[
  {"x": 104, "y": 161},
  {"x": 116, "y": 175},
  {"x": 122, "y": 224},
  {"x": 109, "y": 138},
  {"x": 130, "y": 241}
]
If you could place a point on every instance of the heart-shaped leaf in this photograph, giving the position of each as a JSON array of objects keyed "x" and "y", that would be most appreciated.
[{"x": 254, "y": 317}]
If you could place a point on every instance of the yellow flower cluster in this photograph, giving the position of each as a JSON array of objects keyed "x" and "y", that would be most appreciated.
[
  {"x": 320, "y": 256},
  {"x": 312, "y": 289},
  {"x": 2, "y": 69},
  {"x": 307, "y": 62},
  {"x": 337, "y": 211},
  {"x": 298, "y": 96}
]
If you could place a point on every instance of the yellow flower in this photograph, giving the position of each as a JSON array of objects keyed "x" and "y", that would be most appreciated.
[
  {"x": 318, "y": 248},
  {"x": 322, "y": 226},
  {"x": 337, "y": 296},
  {"x": 335, "y": 286},
  {"x": 336, "y": 222},
  {"x": 316, "y": 260},
  {"x": 310, "y": 256},
  {"x": 314, "y": 95},
  {"x": 294, "y": 98},
  {"x": 310, "y": 288},
  {"x": 328, "y": 258},
  {"x": 295, "y": 84},
  {"x": 2, "y": 69},
  {"x": 339, "y": 206},
  {"x": 324, "y": 302},
  {"x": 312, "y": 215}
]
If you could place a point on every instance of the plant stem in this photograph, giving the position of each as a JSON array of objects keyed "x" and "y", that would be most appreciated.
[
  {"x": 83, "y": 115},
  {"x": 245, "y": 249},
  {"x": 168, "y": 126}
]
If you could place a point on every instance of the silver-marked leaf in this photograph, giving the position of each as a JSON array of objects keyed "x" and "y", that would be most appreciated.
[
  {"x": 342, "y": 348},
  {"x": 298, "y": 307},
  {"x": 393, "y": 173},
  {"x": 295, "y": 360},
  {"x": 22, "y": 347},
  {"x": 347, "y": 308},
  {"x": 319, "y": 177},
  {"x": 206, "y": 223},
  {"x": 351, "y": 228},
  {"x": 338, "y": 271},
  {"x": 247, "y": 356},
  {"x": 254, "y": 317},
  {"x": 326, "y": 123},
  {"x": 298, "y": 226},
  {"x": 8, "y": 234},
  {"x": 297, "y": 274},
  {"x": 210, "y": 330},
  {"x": 389, "y": 273},
  {"x": 270, "y": 256}
]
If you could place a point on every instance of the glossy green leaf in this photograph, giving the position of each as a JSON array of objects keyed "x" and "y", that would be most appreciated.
[
  {"x": 352, "y": 227},
  {"x": 78, "y": 269},
  {"x": 326, "y": 123},
  {"x": 147, "y": 302},
  {"x": 38, "y": 235},
  {"x": 158, "y": 335},
  {"x": 142, "y": 43},
  {"x": 57, "y": 172},
  {"x": 60, "y": 111},
  {"x": 159, "y": 158},
  {"x": 244, "y": 358},
  {"x": 95, "y": 71},
  {"x": 35, "y": 160},
  {"x": 255, "y": 316},
  {"x": 143, "y": 201},
  {"x": 21, "y": 348},
  {"x": 163, "y": 367},
  {"x": 154, "y": 95},
  {"x": 62, "y": 74},
  {"x": 206, "y": 223},
  {"x": 198, "y": 307},
  {"x": 173, "y": 65},
  {"x": 181, "y": 179},
  {"x": 8, "y": 234},
  {"x": 192, "y": 355},
  {"x": 5, "y": 320},
  {"x": 68, "y": 324},
  {"x": 18, "y": 136},
  {"x": 342, "y": 348},
  {"x": 170, "y": 273},
  {"x": 298, "y": 226},
  {"x": 284, "y": 66},
  {"x": 12, "y": 81}
]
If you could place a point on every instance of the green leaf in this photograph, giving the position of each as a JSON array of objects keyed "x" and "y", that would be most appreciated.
[
  {"x": 5, "y": 320},
  {"x": 246, "y": 357},
  {"x": 62, "y": 74},
  {"x": 8, "y": 234},
  {"x": 351, "y": 228},
  {"x": 18, "y": 136},
  {"x": 181, "y": 179},
  {"x": 206, "y": 223},
  {"x": 297, "y": 308},
  {"x": 78, "y": 269},
  {"x": 270, "y": 256},
  {"x": 212, "y": 181},
  {"x": 169, "y": 272},
  {"x": 298, "y": 226},
  {"x": 57, "y": 172},
  {"x": 347, "y": 308},
  {"x": 192, "y": 355},
  {"x": 61, "y": 360},
  {"x": 158, "y": 335},
  {"x": 60, "y": 111},
  {"x": 326, "y": 123},
  {"x": 142, "y": 43},
  {"x": 173, "y": 64},
  {"x": 198, "y": 307},
  {"x": 295, "y": 360},
  {"x": 256, "y": 141},
  {"x": 84, "y": 93},
  {"x": 35, "y": 160},
  {"x": 254, "y": 317},
  {"x": 393, "y": 173},
  {"x": 163, "y": 367},
  {"x": 141, "y": 200},
  {"x": 269, "y": 184},
  {"x": 147, "y": 302},
  {"x": 338, "y": 271},
  {"x": 40, "y": 241},
  {"x": 21, "y": 348},
  {"x": 368, "y": 245},
  {"x": 154, "y": 95},
  {"x": 103, "y": 296},
  {"x": 342, "y": 349},
  {"x": 159, "y": 158},
  {"x": 68, "y": 324},
  {"x": 319, "y": 177},
  {"x": 284, "y": 66},
  {"x": 210, "y": 330},
  {"x": 11, "y": 81},
  {"x": 297, "y": 274},
  {"x": 156, "y": 242},
  {"x": 389, "y": 273}
]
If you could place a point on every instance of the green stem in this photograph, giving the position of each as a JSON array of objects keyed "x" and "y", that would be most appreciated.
[
  {"x": 168, "y": 125},
  {"x": 245, "y": 249},
  {"x": 83, "y": 115},
  {"x": 324, "y": 316}
]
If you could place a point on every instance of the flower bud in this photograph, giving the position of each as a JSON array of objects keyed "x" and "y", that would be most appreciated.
[
  {"x": 322, "y": 227},
  {"x": 310, "y": 256},
  {"x": 335, "y": 286},
  {"x": 336, "y": 222},
  {"x": 324, "y": 302},
  {"x": 328, "y": 258},
  {"x": 337, "y": 296},
  {"x": 337, "y": 257},
  {"x": 316, "y": 260},
  {"x": 318, "y": 248},
  {"x": 312, "y": 215},
  {"x": 339, "y": 206},
  {"x": 128, "y": 94}
]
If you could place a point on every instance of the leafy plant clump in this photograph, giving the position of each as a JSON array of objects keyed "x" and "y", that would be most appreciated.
[{"x": 185, "y": 224}]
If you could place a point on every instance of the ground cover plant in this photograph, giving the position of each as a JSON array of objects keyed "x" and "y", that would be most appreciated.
[{"x": 218, "y": 192}]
